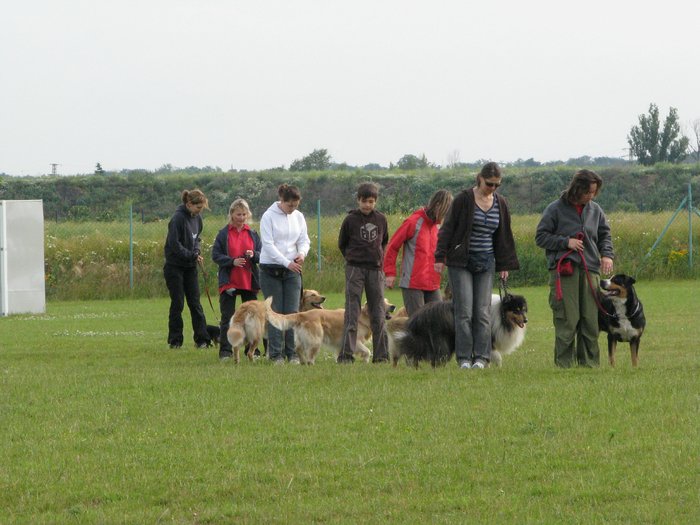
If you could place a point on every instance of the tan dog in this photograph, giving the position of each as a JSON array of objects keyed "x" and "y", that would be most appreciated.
[
  {"x": 395, "y": 329},
  {"x": 248, "y": 322},
  {"x": 317, "y": 327}
]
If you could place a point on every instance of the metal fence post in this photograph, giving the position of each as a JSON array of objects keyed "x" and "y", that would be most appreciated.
[
  {"x": 131, "y": 246},
  {"x": 318, "y": 229}
]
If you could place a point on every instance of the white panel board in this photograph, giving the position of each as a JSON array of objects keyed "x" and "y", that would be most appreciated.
[{"x": 22, "y": 284}]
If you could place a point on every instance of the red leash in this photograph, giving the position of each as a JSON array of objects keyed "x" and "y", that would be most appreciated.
[{"x": 559, "y": 294}]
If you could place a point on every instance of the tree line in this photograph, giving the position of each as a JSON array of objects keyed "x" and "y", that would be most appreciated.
[{"x": 153, "y": 196}]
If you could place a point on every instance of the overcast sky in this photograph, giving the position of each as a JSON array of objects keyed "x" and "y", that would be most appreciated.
[{"x": 257, "y": 84}]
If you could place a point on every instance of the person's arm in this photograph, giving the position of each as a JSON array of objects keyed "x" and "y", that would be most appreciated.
[
  {"x": 303, "y": 242},
  {"x": 268, "y": 241},
  {"x": 219, "y": 253},
  {"x": 605, "y": 245},
  {"x": 401, "y": 235},
  {"x": 546, "y": 235},
  {"x": 172, "y": 240},
  {"x": 343, "y": 237}
]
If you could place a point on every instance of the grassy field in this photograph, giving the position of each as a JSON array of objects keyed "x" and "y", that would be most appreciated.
[{"x": 101, "y": 423}]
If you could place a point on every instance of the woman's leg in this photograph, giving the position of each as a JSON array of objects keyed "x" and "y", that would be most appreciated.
[
  {"x": 462, "y": 285},
  {"x": 272, "y": 286},
  {"x": 292, "y": 294},
  {"x": 173, "y": 280}
]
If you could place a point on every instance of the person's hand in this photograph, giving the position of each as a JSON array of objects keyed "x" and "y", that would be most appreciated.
[
  {"x": 200, "y": 259},
  {"x": 299, "y": 259},
  {"x": 575, "y": 244},
  {"x": 606, "y": 265},
  {"x": 239, "y": 261},
  {"x": 389, "y": 281},
  {"x": 439, "y": 267},
  {"x": 294, "y": 267},
  {"x": 504, "y": 275},
  {"x": 249, "y": 254}
]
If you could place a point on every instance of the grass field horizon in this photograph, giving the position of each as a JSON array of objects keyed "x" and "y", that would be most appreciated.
[{"x": 102, "y": 423}]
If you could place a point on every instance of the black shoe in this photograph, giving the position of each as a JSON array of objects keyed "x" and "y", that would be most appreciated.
[{"x": 175, "y": 345}]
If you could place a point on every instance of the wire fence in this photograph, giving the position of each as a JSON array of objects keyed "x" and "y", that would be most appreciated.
[{"x": 124, "y": 258}]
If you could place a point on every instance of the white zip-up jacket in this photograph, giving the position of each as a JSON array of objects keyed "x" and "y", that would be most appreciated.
[{"x": 284, "y": 236}]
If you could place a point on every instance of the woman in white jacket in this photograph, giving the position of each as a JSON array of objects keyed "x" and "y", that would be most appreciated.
[{"x": 285, "y": 244}]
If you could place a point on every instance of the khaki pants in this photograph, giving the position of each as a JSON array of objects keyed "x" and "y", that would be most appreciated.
[{"x": 575, "y": 320}]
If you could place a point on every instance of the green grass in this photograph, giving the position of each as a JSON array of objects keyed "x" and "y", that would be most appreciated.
[{"x": 101, "y": 423}]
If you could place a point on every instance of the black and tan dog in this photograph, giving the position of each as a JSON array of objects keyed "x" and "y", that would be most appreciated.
[{"x": 623, "y": 319}]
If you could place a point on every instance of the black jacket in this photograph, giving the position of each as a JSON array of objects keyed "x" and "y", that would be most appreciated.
[
  {"x": 363, "y": 238},
  {"x": 220, "y": 255},
  {"x": 182, "y": 245},
  {"x": 453, "y": 237}
]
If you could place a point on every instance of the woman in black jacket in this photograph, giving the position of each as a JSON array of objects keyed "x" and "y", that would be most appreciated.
[
  {"x": 475, "y": 242},
  {"x": 182, "y": 254},
  {"x": 237, "y": 252}
]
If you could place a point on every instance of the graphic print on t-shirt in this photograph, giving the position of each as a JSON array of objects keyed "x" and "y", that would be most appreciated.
[{"x": 369, "y": 232}]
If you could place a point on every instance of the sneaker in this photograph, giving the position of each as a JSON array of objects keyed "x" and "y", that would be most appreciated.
[
  {"x": 225, "y": 358},
  {"x": 278, "y": 361},
  {"x": 465, "y": 364},
  {"x": 203, "y": 345},
  {"x": 478, "y": 364},
  {"x": 294, "y": 361}
]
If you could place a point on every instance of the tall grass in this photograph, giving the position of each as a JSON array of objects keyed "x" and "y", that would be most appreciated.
[
  {"x": 91, "y": 260},
  {"x": 101, "y": 423}
]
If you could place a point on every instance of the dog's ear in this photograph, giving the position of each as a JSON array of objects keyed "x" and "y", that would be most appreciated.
[{"x": 631, "y": 280}]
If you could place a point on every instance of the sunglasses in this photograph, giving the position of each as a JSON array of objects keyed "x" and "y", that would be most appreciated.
[{"x": 492, "y": 184}]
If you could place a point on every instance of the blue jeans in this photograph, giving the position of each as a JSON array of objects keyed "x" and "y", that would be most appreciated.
[
  {"x": 471, "y": 303},
  {"x": 286, "y": 292}
]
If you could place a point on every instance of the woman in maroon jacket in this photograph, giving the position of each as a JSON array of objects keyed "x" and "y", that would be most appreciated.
[{"x": 418, "y": 235}]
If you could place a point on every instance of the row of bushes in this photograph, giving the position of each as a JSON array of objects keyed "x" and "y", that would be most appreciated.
[{"x": 154, "y": 196}]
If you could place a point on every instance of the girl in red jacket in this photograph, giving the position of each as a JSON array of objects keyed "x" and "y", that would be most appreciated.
[{"x": 419, "y": 282}]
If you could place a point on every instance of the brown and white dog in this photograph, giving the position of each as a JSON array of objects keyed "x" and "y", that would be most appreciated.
[
  {"x": 248, "y": 323},
  {"x": 318, "y": 327}
]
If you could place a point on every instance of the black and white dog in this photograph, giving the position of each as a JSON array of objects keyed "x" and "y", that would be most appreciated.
[
  {"x": 430, "y": 334},
  {"x": 623, "y": 319}
]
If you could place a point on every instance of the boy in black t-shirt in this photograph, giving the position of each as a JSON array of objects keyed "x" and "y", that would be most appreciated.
[{"x": 362, "y": 240}]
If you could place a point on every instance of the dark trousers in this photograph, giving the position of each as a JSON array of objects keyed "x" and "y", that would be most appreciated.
[
  {"x": 183, "y": 285},
  {"x": 372, "y": 282},
  {"x": 227, "y": 305},
  {"x": 414, "y": 299}
]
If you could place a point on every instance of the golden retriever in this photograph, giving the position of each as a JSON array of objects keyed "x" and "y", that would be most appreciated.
[
  {"x": 317, "y": 327},
  {"x": 248, "y": 322}
]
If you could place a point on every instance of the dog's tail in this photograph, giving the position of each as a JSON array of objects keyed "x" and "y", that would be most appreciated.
[
  {"x": 279, "y": 321},
  {"x": 236, "y": 329}
]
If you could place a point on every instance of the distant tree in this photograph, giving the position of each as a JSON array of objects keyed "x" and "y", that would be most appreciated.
[
  {"x": 650, "y": 145},
  {"x": 411, "y": 162},
  {"x": 695, "y": 145},
  {"x": 372, "y": 166},
  {"x": 98, "y": 169},
  {"x": 527, "y": 163},
  {"x": 318, "y": 159}
]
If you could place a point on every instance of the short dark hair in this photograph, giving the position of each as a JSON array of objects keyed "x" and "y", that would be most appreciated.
[
  {"x": 288, "y": 193},
  {"x": 581, "y": 183},
  {"x": 367, "y": 190}
]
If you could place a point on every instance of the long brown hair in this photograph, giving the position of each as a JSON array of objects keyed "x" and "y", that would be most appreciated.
[
  {"x": 195, "y": 196},
  {"x": 288, "y": 193},
  {"x": 438, "y": 205},
  {"x": 581, "y": 183}
]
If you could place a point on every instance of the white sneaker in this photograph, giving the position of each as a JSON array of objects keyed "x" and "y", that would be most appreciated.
[
  {"x": 478, "y": 364},
  {"x": 465, "y": 364},
  {"x": 294, "y": 361}
]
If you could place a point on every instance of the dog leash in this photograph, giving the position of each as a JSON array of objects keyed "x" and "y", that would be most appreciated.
[
  {"x": 559, "y": 294},
  {"x": 505, "y": 296},
  {"x": 206, "y": 285}
]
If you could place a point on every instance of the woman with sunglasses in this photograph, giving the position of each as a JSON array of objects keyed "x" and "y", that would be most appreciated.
[{"x": 475, "y": 242}]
